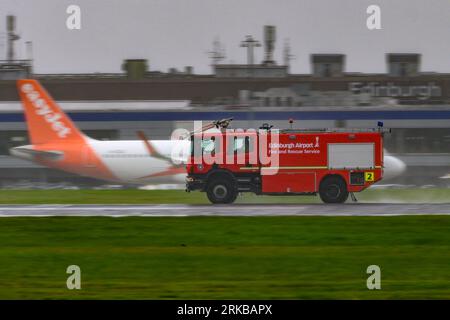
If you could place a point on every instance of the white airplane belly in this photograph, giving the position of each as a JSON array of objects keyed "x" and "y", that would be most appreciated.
[
  {"x": 129, "y": 161},
  {"x": 137, "y": 170}
]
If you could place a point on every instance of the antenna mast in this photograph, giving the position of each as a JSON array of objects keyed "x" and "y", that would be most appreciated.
[
  {"x": 250, "y": 44},
  {"x": 269, "y": 44},
  {"x": 217, "y": 54},
  {"x": 287, "y": 56},
  {"x": 12, "y": 36}
]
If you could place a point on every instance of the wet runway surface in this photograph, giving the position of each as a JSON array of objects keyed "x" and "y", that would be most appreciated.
[{"x": 351, "y": 209}]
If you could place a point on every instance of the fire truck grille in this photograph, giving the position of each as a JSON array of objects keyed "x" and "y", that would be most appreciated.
[{"x": 357, "y": 178}]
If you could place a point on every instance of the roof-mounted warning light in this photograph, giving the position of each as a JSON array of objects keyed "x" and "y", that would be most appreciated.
[
  {"x": 265, "y": 126},
  {"x": 291, "y": 121},
  {"x": 381, "y": 129}
]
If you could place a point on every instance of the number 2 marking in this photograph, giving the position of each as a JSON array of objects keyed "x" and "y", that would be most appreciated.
[{"x": 369, "y": 176}]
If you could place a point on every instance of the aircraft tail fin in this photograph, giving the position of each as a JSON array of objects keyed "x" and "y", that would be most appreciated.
[{"x": 46, "y": 121}]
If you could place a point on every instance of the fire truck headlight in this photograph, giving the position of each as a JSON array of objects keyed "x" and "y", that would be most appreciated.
[{"x": 200, "y": 167}]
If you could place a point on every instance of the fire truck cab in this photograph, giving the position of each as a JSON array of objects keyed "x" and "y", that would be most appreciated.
[{"x": 330, "y": 162}]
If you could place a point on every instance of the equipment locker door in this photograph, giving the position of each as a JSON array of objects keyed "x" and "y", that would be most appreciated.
[
  {"x": 351, "y": 155},
  {"x": 289, "y": 182}
]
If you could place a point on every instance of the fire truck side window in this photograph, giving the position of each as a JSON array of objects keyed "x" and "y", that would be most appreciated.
[
  {"x": 241, "y": 145},
  {"x": 210, "y": 146},
  {"x": 207, "y": 145},
  {"x": 196, "y": 146},
  {"x": 230, "y": 143}
]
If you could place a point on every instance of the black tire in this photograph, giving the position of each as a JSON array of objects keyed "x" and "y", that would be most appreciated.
[
  {"x": 333, "y": 189},
  {"x": 221, "y": 191}
]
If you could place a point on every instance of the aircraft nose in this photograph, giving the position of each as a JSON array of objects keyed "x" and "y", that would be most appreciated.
[
  {"x": 393, "y": 167},
  {"x": 401, "y": 165}
]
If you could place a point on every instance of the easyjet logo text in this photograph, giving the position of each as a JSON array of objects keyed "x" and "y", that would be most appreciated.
[{"x": 42, "y": 109}]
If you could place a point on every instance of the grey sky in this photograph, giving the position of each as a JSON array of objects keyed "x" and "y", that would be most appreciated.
[{"x": 177, "y": 33}]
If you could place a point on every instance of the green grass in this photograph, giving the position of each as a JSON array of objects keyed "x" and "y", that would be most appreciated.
[
  {"x": 225, "y": 257},
  {"x": 180, "y": 196}
]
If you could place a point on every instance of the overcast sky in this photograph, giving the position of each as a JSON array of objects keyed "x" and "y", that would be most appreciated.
[{"x": 177, "y": 33}]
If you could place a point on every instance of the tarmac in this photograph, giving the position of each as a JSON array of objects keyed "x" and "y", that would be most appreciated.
[{"x": 165, "y": 210}]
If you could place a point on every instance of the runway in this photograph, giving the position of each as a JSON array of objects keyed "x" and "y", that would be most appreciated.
[{"x": 351, "y": 209}]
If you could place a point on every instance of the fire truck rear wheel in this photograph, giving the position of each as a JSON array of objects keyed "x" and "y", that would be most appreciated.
[
  {"x": 221, "y": 191},
  {"x": 333, "y": 189}
]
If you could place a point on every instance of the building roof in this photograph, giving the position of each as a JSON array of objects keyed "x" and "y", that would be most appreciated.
[
  {"x": 403, "y": 57},
  {"x": 327, "y": 58}
]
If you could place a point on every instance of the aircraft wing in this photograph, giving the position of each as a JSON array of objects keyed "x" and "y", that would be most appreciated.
[{"x": 154, "y": 153}]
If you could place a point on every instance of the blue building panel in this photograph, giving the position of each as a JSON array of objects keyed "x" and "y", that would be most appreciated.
[{"x": 261, "y": 115}]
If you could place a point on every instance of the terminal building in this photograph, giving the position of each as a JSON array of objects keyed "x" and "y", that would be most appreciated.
[{"x": 414, "y": 103}]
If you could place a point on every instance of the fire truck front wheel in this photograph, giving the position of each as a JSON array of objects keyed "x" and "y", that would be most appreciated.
[
  {"x": 333, "y": 189},
  {"x": 221, "y": 191}
]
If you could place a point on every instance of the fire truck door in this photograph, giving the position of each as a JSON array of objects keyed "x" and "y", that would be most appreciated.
[{"x": 242, "y": 148}]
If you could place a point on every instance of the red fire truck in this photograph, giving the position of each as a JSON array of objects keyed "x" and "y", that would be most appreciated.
[{"x": 330, "y": 162}]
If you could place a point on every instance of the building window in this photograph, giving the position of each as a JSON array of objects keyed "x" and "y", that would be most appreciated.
[
  {"x": 278, "y": 101},
  {"x": 403, "y": 69},
  {"x": 102, "y": 134},
  {"x": 289, "y": 101},
  {"x": 418, "y": 140},
  {"x": 327, "y": 70}
]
